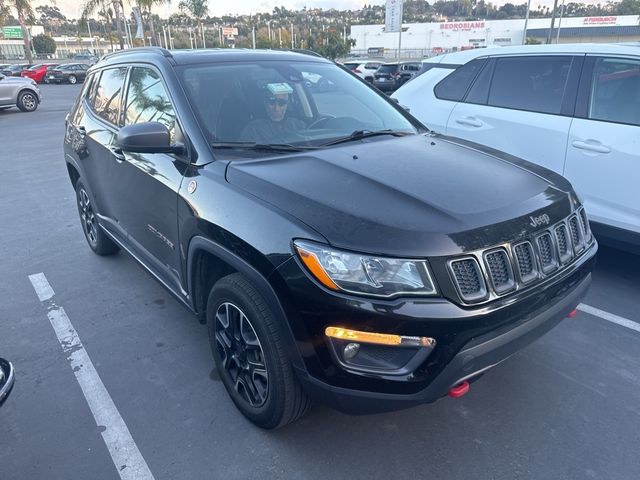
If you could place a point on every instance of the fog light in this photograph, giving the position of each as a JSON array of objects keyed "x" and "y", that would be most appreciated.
[{"x": 351, "y": 350}]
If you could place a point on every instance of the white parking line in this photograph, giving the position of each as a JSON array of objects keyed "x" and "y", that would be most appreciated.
[
  {"x": 123, "y": 450},
  {"x": 610, "y": 317}
]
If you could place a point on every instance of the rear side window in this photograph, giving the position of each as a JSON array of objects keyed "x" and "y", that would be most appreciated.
[
  {"x": 615, "y": 91},
  {"x": 454, "y": 86},
  {"x": 535, "y": 84},
  {"x": 109, "y": 93},
  {"x": 148, "y": 101}
]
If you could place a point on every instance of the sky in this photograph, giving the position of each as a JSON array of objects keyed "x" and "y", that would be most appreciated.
[{"x": 72, "y": 8}]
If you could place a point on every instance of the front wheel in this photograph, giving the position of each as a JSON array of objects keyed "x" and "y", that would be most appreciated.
[
  {"x": 247, "y": 343},
  {"x": 98, "y": 241},
  {"x": 27, "y": 101}
]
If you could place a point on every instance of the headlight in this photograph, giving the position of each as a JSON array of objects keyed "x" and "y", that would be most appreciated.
[{"x": 363, "y": 274}]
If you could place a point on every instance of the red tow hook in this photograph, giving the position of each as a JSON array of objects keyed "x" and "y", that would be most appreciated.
[
  {"x": 572, "y": 313},
  {"x": 459, "y": 390}
]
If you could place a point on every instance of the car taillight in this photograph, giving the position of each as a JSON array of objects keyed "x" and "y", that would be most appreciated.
[{"x": 357, "y": 70}]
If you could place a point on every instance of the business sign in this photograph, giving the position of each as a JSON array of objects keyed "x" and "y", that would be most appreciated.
[
  {"x": 12, "y": 32},
  {"x": 601, "y": 21},
  {"x": 229, "y": 32},
  {"x": 393, "y": 16},
  {"x": 462, "y": 26}
]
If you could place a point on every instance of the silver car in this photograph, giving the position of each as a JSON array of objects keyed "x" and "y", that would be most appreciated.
[{"x": 19, "y": 92}]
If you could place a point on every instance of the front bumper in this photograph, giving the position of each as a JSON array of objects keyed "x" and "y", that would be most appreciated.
[{"x": 470, "y": 340}]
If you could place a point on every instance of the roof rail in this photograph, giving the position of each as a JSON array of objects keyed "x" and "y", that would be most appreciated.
[
  {"x": 304, "y": 51},
  {"x": 162, "y": 51}
]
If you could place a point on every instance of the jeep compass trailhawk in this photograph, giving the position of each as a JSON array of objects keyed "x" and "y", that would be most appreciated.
[{"x": 336, "y": 249}]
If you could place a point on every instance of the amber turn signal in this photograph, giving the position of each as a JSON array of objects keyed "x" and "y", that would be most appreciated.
[{"x": 378, "y": 338}]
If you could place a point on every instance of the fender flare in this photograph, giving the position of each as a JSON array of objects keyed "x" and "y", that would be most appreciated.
[{"x": 259, "y": 281}]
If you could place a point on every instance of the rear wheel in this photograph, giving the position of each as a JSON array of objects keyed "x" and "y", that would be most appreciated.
[
  {"x": 99, "y": 242},
  {"x": 27, "y": 101},
  {"x": 73, "y": 79},
  {"x": 248, "y": 348}
]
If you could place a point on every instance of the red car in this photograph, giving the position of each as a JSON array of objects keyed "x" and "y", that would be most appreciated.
[{"x": 37, "y": 72}]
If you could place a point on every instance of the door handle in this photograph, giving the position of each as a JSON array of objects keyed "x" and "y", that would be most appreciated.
[
  {"x": 592, "y": 146},
  {"x": 117, "y": 154},
  {"x": 469, "y": 121}
]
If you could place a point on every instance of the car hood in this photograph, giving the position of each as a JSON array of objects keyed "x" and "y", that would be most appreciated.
[
  {"x": 411, "y": 196},
  {"x": 16, "y": 80}
]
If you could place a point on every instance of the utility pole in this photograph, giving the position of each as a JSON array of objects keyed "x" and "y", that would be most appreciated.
[
  {"x": 164, "y": 32},
  {"x": 553, "y": 20},
  {"x": 204, "y": 43},
  {"x": 253, "y": 36},
  {"x": 280, "y": 35},
  {"x": 292, "y": 36},
  {"x": 560, "y": 23},
  {"x": 526, "y": 22}
]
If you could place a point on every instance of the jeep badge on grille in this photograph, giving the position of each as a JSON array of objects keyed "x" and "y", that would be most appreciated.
[{"x": 539, "y": 220}]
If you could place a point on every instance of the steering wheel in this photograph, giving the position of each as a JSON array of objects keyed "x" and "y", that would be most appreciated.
[{"x": 320, "y": 121}]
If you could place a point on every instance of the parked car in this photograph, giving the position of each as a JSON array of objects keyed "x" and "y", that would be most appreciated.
[
  {"x": 38, "y": 72},
  {"x": 19, "y": 92},
  {"x": 365, "y": 69},
  {"x": 7, "y": 379},
  {"x": 390, "y": 76},
  {"x": 87, "y": 58},
  {"x": 574, "y": 109},
  {"x": 352, "y": 257},
  {"x": 15, "y": 70},
  {"x": 68, "y": 73}
]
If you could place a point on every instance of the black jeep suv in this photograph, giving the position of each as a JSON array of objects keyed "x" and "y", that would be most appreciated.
[{"x": 337, "y": 250}]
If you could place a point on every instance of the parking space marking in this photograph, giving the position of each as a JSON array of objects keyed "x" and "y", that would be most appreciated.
[
  {"x": 123, "y": 450},
  {"x": 610, "y": 317}
]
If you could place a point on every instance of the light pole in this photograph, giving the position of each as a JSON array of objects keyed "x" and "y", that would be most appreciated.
[
  {"x": 526, "y": 21},
  {"x": 560, "y": 23}
]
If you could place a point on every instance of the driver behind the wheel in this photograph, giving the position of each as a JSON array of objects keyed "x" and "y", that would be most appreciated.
[{"x": 276, "y": 126}]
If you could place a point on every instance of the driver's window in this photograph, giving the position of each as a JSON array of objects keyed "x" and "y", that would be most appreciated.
[{"x": 148, "y": 101}]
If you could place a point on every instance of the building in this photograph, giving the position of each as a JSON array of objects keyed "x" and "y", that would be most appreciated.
[{"x": 424, "y": 39}]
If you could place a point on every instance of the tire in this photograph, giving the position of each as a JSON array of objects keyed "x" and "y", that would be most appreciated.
[
  {"x": 98, "y": 241},
  {"x": 73, "y": 79},
  {"x": 250, "y": 354},
  {"x": 27, "y": 101}
]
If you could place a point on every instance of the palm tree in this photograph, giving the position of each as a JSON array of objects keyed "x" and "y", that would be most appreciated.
[
  {"x": 97, "y": 6},
  {"x": 197, "y": 8},
  {"x": 25, "y": 14},
  {"x": 145, "y": 6}
]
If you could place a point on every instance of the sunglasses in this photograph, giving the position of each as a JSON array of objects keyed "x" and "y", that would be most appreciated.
[{"x": 281, "y": 102}]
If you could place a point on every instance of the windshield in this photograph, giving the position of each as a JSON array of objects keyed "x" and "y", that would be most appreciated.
[{"x": 293, "y": 103}]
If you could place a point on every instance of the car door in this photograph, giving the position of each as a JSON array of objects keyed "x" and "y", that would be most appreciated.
[
  {"x": 144, "y": 186},
  {"x": 521, "y": 105},
  {"x": 603, "y": 152},
  {"x": 98, "y": 129}
]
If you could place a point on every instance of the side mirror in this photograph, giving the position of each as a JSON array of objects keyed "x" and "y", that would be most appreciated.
[
  {"x": 6, "y": 379},
  {"x": 148, "y": 137}
]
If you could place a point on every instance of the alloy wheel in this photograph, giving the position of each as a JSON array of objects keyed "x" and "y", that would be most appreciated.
[
  {"x": 241, "y": 354},
  {"x": 29, "y": 101},
  {"x": 87, "y": 217}
]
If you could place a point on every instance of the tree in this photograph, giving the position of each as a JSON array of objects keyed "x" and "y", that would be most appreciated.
[
  {"x": 25, "y": 14},
  {"x": 44, "y": 44},
  {"x": 198, "y": 9},
  {"x": 145, "y": 6},
  {"x": 105, "y": 8}
]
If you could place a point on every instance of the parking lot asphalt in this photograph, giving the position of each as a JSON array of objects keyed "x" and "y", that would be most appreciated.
[{"x": 566, "y": 407}]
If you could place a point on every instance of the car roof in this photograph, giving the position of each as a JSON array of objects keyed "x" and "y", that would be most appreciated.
[
  {"x": 460, "y": 58},
  {"x": 206, "y": 55}
]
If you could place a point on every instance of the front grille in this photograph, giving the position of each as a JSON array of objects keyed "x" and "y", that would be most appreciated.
[
  {"x": 565, "y": 250},
  {"x": 547, "y": 253},
  {"x": 586, "y": 231},
  {"x": 468, "y": 279},
  {"x": 512, "y": 266},
  {"x": 576, "y": 234},
  {"x": 499, "y": 268},
  {"x": 526, "y": 262}
]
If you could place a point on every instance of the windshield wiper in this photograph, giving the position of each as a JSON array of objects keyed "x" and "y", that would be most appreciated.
[
  {"x": 360, "y": 134},
  {"x": 268, "y": 147}
]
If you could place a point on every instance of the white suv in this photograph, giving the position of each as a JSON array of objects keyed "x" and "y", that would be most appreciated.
[{"x": 574, "y": 109}]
